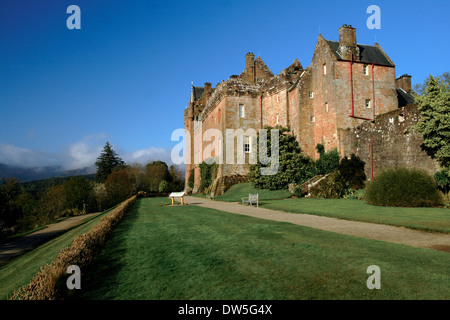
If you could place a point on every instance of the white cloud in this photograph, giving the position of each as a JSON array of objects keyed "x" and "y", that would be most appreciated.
[
  {"x": 145, "y": 156},
  {"x": 79, "y": 154},
  {"x": 23, "y": 157}
]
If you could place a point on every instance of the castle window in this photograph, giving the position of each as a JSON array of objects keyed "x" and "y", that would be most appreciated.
[
  {"x": 278, "y": 97},
  {"x": 247, "y": 144},
  {"x": 324, "y": 68},
  {"x": 311, "y": 94},
  {"x": 259, "y": 79},
  {"x": 311, "y": 118},
  {"x": 241, "y": 111},
  {"x": 278, "y": 118},
  {"x": 326, "y": 106},
  {"x": 366, "y": 69},
  {"x": 368, "y": 103}
]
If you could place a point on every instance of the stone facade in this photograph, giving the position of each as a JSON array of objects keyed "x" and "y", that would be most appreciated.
[{"x": 347, "y": 86}]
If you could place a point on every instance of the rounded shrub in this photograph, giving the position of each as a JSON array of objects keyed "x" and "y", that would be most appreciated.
[{"x": 402, "y": 187}]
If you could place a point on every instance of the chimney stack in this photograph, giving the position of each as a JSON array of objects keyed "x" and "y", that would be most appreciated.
[
  {"x": 208, "y": 87},
  {"x": 250, "y": 67},
  {"x": 347, "y": 43},
  {"x": 404, "y": 82}
]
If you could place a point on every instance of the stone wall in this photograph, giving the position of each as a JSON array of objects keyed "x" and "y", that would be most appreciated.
[{"x": 394, "y": 140}]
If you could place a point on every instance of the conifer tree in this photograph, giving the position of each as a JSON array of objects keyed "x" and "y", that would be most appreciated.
[
  {"x": 107, "y": 162},
  {"x": 434, "y": 123}
]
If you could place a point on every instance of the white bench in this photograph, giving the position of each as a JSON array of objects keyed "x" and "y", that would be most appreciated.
[
  {"x": 178, "y": 195},
  {"x": 251, "y": 200}
]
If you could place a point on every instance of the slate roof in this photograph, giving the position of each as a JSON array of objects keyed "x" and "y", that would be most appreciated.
[
  {"x": 198, "y": 91},
  {"x": 368, "y": 54},
  {"x": 404, "y": 98}
]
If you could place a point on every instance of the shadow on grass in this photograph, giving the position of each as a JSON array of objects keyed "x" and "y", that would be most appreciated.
[{"x": 102, "y": 272}]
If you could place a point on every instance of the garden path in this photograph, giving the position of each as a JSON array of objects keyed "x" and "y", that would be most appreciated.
[{"x": 400, "y": 235}]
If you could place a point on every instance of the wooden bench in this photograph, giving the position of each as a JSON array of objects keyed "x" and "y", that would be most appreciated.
[
  {"x": 251, "y": 200},
  {"x": 177, "y": 194},
  {"x": 210, "y": 196}
]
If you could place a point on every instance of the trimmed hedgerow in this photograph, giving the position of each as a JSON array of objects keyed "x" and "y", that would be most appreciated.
[
  {"x": 49, "y": 282},
  {"x": 402, "y": 187}
]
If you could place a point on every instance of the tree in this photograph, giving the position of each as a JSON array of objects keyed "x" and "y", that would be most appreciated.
[
  {"x": 434, "y": 122},
  {"x": 107, "y": 162},
  {"x": 79, "y": 194},
  {"x": 294, "y": 166},
  {"x": 120, "y": 185},
  {"x": 155, "y": 172},
  {"x": 420, "y": 88}
]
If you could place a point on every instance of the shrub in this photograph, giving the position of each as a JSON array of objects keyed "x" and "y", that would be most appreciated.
[
  {"x": 402, "y": 187},
  {"x": 328, "y": 161},
  {"x": 208, "y": 173},
  {"x": 333, "y": 187},
  {"x": 164, "y": 187},
  {"x": 191, "y": 178},
  {"x": 293, "y": 166},
  {"x": 352, "y": 171},
  {"x": 48, "y": 283},
  {"x": 442, "y": 178}
]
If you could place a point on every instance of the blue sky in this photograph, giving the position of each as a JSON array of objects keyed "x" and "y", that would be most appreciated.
[{"x": 125, "y": 77}]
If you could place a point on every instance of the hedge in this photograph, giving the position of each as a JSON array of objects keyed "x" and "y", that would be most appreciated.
[{"x": 49, "y": 282}]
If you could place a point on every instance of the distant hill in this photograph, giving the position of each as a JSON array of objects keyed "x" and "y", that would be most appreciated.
[{"x": 39, "y": 173}]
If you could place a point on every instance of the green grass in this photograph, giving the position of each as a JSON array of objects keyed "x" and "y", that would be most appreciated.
[
  {"x": 241, "y": 190},
  {"x": 22, "y": 269},
  {"x": 189, "y": 252},
  {"x": 428, "y": 219}
]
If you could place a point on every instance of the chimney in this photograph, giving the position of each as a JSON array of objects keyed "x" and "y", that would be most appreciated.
[
  {"x": 404, "y": 82},
  {"x": 250, "y": 67},
  {"x": 208, "y": 87},
  {"x": 347, "y": 43}
]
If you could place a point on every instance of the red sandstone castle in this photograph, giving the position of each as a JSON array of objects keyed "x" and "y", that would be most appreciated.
[{"x": 345, "y": 85}]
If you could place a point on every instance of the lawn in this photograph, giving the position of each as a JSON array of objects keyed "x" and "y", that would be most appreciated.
[
  {"x": 21, "y": 270},
  {"x": 189, "y": 252},
  {"x": 241, "y": 190},
  {"x": 428, "y": 219}
]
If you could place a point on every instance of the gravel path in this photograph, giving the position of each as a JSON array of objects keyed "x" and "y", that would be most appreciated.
[
  {"x": 14, "y": 248},
  {"x": 400, "y": 235}
]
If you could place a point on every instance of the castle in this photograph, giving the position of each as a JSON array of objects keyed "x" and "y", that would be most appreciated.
[{"x": 338, "y": 101}]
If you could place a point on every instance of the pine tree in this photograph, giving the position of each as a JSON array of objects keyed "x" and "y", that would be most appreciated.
[
  {"x": 434, "y": 123},
  {"x": 107, "y": 162}
]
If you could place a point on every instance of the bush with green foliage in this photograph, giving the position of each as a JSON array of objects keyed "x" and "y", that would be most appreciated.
[
  {"x": 164, "y": 187},
  {"x": 331, "y": 187},
  {"x": 191, "y": 178},
  {"x": 442, "y": 178},
  {"x": 402, "y": 187},
  {"x": 352, "y": 172},
  {"x": 294, "y": 166},
  {"x": 328, "y": 161},
  {"x": 208, "y": 172}
]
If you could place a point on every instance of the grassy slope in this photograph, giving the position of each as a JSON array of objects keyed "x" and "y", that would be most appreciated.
[
  {"x": 189, "y": 252},
  {"x": 430, "y": 219},
  {"x": 21, "y": 270},
  {"x": 241, "y": 190}
]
